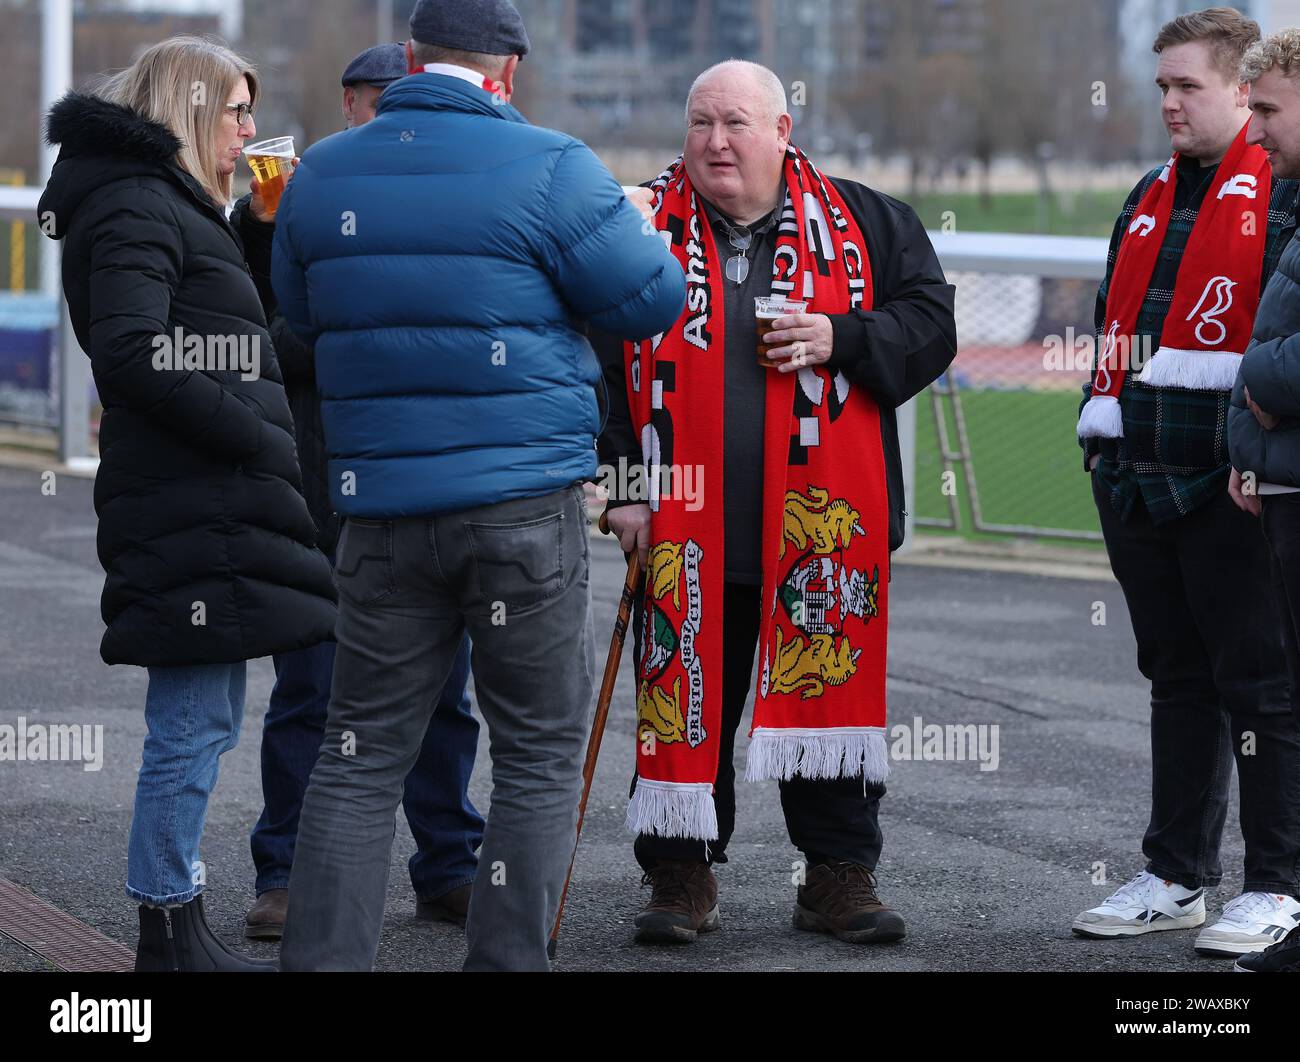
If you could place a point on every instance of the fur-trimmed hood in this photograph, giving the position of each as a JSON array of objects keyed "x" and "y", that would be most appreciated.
[
  {"x": 101, "y": 142},
  {"x": 198, "y": 494},
  {"x": 82, "y": 124}
]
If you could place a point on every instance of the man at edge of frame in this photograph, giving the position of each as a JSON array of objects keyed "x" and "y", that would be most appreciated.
[
  {"x": 1262, "y": 420},
  {"x": 1191, "y": 252}
]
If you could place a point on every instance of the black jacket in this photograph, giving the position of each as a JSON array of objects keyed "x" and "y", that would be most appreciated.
[
  {"x": 895, "y": 350},
  {"x": 298, "y": 364},
  {"x": 203, "y": 532}
]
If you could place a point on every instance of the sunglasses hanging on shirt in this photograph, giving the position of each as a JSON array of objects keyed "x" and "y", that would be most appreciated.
[{"x": 740, "y": 239}]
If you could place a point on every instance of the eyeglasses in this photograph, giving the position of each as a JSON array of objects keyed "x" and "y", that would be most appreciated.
[{"x": 241, "y": 111}]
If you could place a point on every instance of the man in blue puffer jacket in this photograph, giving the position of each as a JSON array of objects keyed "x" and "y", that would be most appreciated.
[{"x": 442, "y": 258}]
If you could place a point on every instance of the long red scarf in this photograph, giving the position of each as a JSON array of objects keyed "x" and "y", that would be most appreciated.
[
  {"x": 819, "y": 711},
  {"x": 1215, "y": 297}
]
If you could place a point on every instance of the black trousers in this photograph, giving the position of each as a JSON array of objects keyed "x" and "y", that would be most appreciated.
[
  {"x": 828, "y": 819},
  {"x": 1209, "y": 636},
  {"x": 1281, "y": 524}
]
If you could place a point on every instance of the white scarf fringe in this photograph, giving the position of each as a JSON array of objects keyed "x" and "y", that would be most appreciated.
[
  {"x": 673, "y": 809},
  {"x": 1101, "y": 418},
  {"x": 835, "y": 752},
  {"x": 1192, "y": 370}
]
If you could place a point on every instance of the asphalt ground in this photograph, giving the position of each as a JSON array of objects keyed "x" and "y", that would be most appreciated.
[{"x": 987, "y": 866}]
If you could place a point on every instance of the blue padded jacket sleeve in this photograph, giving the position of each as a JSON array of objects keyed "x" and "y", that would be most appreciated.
[
  {"x": 288, "y": 278},
  {"x": 613, "y": 270}
]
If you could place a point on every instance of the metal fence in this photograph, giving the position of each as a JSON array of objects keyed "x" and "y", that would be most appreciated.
[
  {"x": 29, "y": 321},
  {"x": 995, "y": 448}
]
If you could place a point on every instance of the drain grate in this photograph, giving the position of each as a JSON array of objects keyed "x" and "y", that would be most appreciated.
[{"x": 56, "y": 936}]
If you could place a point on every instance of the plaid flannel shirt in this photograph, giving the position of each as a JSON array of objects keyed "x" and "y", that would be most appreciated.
[{"x": 1174, "y": 453}]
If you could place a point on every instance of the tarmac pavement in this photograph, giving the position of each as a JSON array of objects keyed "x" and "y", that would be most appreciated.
[{"x": 988, "y": 866}]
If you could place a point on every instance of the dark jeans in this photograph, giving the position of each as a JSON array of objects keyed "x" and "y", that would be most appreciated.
[
  {"x": 828, "y": 819},
  {"x": 515, "y": 575},
  {"x": 1281, "y": 523},
  {"x": 447, "y": 828},
  {"x": 1209, "y": 639}
]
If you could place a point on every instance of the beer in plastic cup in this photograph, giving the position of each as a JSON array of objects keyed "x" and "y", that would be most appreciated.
[
  {"x": 271, "y": 162},
  {"x": 767, "y": 308}
]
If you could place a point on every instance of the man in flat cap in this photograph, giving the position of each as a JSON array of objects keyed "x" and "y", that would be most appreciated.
[
  {"x": 444, "y": 822},
  {"x": 442, "y": 258},
  {"x": 365, "y": 79}
]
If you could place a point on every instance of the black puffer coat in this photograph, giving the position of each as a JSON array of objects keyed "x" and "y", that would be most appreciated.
[
  {"x": 297, "y": 361},
  {"x": 203, "y": 531}
]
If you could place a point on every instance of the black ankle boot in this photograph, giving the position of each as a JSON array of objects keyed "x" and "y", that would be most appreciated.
[{"x": 178, "y": 938}]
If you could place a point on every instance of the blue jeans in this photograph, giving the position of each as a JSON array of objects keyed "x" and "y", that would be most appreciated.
[
  {"x": 193, "y": 715},
  {"x": 447, "y": 828}
]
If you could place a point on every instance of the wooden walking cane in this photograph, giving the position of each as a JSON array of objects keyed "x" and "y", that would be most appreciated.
[{"x": 602, "y": 713}]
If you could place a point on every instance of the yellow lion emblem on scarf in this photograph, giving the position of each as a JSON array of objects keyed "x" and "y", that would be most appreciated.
[
  {"x": 660, "y": 713},
  {"x": 807, "y": 667},
  {"x": 813, "y": 521}
]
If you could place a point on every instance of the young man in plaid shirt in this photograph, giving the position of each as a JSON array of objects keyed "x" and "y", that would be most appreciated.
[{"x": 1194, "y": 568}]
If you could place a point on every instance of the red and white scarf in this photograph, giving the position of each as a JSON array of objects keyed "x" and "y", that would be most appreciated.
[
  {"x": 819, "y": 711},
  {"x": 1215, "y": 297}
]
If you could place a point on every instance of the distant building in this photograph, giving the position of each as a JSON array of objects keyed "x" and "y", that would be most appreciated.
[
  {"x": 107, "y": 35},
  {"x": 596, "y": 59},
  {"x": 1273, "y": 15},
  {"x": 604, "y": 63},
  {"x": 228, "y": 13}
]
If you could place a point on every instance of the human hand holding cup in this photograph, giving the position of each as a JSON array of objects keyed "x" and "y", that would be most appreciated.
[
  {"x": 797, "y": 340},
  {"x": 273, "y": 163},
  {"x": 768, "y": 310},
  {"x": 643, "y": 199}
]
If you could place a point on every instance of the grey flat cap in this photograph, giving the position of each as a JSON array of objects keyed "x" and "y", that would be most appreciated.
[
  {"x": 381, "y": 65},
  {"x": 493, "y": 27}
]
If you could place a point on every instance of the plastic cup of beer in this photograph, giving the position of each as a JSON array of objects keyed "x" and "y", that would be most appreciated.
[
  {"x": 767, "y": 309},
  {"x": 271, "y": 162}
]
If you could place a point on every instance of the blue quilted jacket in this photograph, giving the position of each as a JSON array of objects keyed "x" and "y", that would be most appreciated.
[{"x": 444, "y": 258}]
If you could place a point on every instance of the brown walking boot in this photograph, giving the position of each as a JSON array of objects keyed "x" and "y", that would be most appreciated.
[
  {"x": 842, "y": 900},
  {"x": 265, "y": 919},
  {"x": 683, "y": 902}
]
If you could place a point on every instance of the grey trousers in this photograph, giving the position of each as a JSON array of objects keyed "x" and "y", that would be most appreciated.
[{"x": 516, "y": 575}]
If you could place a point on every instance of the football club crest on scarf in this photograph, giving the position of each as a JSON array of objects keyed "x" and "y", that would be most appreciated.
[
  {"x": 819, "y": 711},
  {"x": 1215, "y": 296}
]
